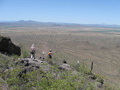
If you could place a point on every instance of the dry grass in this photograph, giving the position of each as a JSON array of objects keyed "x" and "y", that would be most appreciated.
[{"x": 100, "y": 45}]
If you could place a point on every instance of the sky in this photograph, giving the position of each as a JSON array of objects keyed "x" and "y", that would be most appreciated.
[{"x": 66, "y": 11}]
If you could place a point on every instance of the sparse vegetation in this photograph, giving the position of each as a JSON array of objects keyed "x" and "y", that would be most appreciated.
[
  {"x": 24, "y": 51},
  {"x": 54, "y": 79}
]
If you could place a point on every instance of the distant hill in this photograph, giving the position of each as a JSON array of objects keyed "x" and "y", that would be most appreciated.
[{"x": 30, "y": 23}]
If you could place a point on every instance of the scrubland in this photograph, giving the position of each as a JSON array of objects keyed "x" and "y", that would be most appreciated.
[{"x": 84, "y": 44}]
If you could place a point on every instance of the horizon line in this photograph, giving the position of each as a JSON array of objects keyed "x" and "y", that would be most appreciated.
[{"x": 56, "y": 22}]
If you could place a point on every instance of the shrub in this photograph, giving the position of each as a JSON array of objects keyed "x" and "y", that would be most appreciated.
[{"x": 25, "y": 52}]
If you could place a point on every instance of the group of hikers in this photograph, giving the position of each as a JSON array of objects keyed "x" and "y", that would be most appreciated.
[{"x": 33, "y": 51}]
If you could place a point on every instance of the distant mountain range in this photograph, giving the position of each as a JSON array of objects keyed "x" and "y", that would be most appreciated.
[{"x": 30, "y": 23}]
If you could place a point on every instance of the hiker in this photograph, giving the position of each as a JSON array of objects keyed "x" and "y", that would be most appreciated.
[
  {"x": 32, "y": 51},
  {"x": 50, "y": 54}
]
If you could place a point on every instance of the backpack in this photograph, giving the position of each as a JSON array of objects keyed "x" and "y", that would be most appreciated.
[
  {"x": 49, "y": 53},
  {"x": 32, "y": 52}
]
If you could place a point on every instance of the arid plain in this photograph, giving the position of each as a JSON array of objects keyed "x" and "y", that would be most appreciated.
[{"x": 86, "y": 44}]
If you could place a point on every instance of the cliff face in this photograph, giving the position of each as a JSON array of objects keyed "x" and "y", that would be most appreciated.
[{"x": 6, "y": 46}]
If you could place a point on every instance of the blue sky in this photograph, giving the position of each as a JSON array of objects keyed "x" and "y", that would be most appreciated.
[{"x": 69, "y": 11}]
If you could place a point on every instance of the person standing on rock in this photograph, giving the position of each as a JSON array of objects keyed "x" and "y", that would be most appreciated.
[{"x": 32, "y": 51}]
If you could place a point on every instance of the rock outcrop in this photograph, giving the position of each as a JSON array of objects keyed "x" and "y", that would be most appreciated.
[
  {"x": 29, "y": 62},
  {"x": 31, "y": 65},
  {"x": 65, "y": 67},
  {"x": 7, "y": 47}
]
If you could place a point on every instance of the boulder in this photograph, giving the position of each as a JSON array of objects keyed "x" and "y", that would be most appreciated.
[
  {"x": 7, "y": 47},
  {"x": 65, "y": 67}
]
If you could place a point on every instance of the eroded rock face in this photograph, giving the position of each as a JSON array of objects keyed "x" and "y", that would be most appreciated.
[{"x": 6, "y": 46}]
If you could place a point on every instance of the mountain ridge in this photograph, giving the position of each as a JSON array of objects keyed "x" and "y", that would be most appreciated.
[{"x": 31, "y": 23}]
